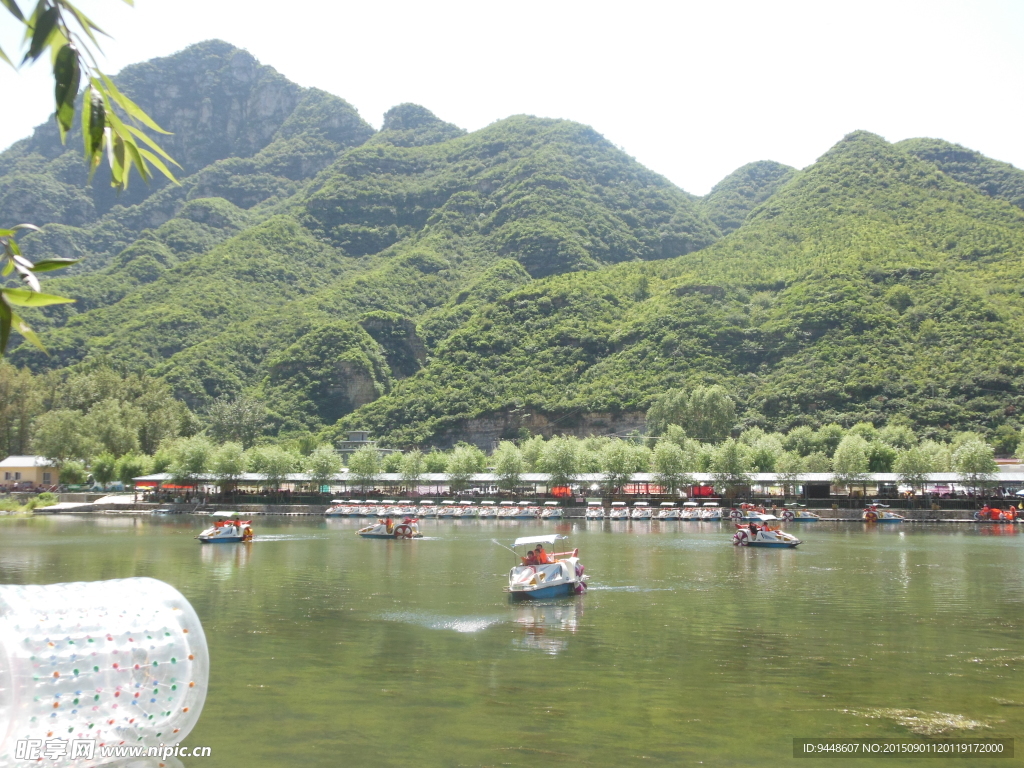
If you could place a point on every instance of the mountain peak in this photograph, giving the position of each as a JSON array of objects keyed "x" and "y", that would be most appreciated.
[{"x": 410, "y": 125}]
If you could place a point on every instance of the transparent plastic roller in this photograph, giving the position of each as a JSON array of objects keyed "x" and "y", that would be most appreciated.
[{"x": 97, "y": 664}]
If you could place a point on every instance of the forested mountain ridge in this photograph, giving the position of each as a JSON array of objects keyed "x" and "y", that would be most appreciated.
[
  {"x": 315, "y": 298},
  {"x": 871, "y": 284},
  {"x": 434, "y": 285}
]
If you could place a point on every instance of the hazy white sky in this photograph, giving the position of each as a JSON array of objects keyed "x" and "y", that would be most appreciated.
[{"x": 691, "y": 89}]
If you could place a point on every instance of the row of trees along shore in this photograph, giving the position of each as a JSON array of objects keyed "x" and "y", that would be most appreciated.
[{"x": 118, "y": 426}]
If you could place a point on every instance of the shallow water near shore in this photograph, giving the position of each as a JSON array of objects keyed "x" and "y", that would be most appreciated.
[{"x": 330, "y": 650}]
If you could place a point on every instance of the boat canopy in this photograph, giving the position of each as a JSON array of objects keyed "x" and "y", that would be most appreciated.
[
  {"x": 338, "y": 501},
  {"x": 224, "y": 514},
  {"x": 550, "y": 539}
]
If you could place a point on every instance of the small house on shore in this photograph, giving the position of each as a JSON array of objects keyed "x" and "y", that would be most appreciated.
[{"x": 19, "y": 473}]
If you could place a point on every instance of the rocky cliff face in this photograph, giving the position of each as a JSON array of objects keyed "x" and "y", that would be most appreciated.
[{"x": 485, "y": 432}]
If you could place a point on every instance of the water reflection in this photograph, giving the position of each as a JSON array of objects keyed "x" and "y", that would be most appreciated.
[
  {"x": 545, "y": 625},
  {"x": 224, "y": 559}
]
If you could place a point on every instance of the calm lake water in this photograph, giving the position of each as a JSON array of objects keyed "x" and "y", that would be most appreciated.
[{"x": 330, "y": 650}]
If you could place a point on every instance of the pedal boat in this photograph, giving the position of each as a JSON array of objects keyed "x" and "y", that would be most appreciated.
[
  {"x": 765, "y": 537},
  {"x": 618, "y": 511},
  {"x": 526, "y": 510},
  {"x": 749, "y": 513},
  {"x": 690, "y": 511},
  {"x": 230, "y": 531},
  {"x": 551, "y": 511},
  {"x": 386, "y": 529},
  {"x": 561, "y": 577},
  {"x": 877, "y": 513},
  {"x": 507, "y": 510},
  {"x": 487, "y": 509},
  {"x": 465, "y": 509},
  {"x": 641, "y": 511},
  {"x": 427, "y": 510},
  {"x": 711, "y": 511},
  {"x": 667, "y": 510},
  {"x": 338, "y": 508},
  {"x": 447, "y": 509},
  {"x": 996, "y": 515},
  {"x": 799, "y": 516},
  {"x": 595, "y": 510}
]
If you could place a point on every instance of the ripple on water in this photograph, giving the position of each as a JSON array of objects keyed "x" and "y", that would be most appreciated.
[
  {"x": 461, "y": 624},
  {"x": 284, "y": 537}
]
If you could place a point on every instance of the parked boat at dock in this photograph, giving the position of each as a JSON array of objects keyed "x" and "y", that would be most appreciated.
[
  {"x": 595, "y": 510},
  {"x": 551, "y": 511},
  {"x": 711, "y": 511},
  {"x": 641, "y": 511},
  {"x": 668, "y": 511},
  {"x": 877, "y": 513},
  {"x": 618, "y": 511}
]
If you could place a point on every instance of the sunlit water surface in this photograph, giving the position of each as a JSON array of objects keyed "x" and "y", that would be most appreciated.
[{"x": 330, "y": 650}]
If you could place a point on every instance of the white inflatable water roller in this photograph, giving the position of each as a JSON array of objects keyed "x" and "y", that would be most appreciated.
[{"x": 121, "y": 662}]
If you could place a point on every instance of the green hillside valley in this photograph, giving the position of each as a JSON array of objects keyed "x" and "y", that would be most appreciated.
[{"x": 441, "y": 288}]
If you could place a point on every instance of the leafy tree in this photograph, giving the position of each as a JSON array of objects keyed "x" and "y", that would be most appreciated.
[
  {"x": 789, "y": 465},
  {"x": 800, "y": 440},
  {"x": 1005, "y": 440},
  {"x": 671, "y": 469},
  {"x": 881, "y": 457},
  {"x": 273, "y": 463},
  {"x": 73, "y": 473},
  {"x": 560, "y": 459},
  {"x": 532, "y": 451},
  {"x": 391, "y": 462},
  {"x": 864, "y": 429},
  {"x": 59, "y": 436},
  {"x": 730, "y": 466},
  {"x": 115, "y": 424},
  {"x": 228, "y": 463},
  {"x": 827, "y": 438},
  {"x": 241, "y": 420},
  {"x": 765, "y": 452},
  {"x": 975, "y": 464},
  {"x": 465, "y": 461},
  {"x": 940, "y": 456},
  {"x": 364, "y": 465},
  {"x": 412, "y": 469},
  {"x": 132, "y": 465},
  {"x": 705, "y": 413},
  {"x": 817, "y": 462},
  {"x": 899, "y": 436},
  {"x": 851, "y": 460},
  {"x": 104, "y": 468},
  {"x": 435, "y": 462},
  {"x": 508, "y": 465},
  {"x": 617, "y": 464},
  {"x": 324, "y": 463},
  {"x": 20, "y": 402},
  {"x": 913, "y": 466},
  {"x": 190, "y": 459}
]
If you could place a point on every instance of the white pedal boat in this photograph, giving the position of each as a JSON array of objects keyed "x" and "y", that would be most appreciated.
[
  {"x": 551, "y": 511},
  {"x": 690, "y": 511},
  {"x": 487, "y": 509},
  {"x": 711, "y": 511},
  {"x": 799, "y": 516},
  {"x": 641, "y": 511},
  {"x": 595, "y": 510},
  {"x": 763, "y": 536},
  {"x": 387, "y": 529},
  {"x": 618, "y": 511},
  {"x": 877, "y": 513},
  {"x": 339, "y": 508},
  {"x": 749, "y": 513},
  {"x": 465, "y": 509},
  {"x": 229, "y": 531},
  {"x": 562, "y": 576},
  {"x": 526, "y": 510},
  {"x": 667, "y": 510}
]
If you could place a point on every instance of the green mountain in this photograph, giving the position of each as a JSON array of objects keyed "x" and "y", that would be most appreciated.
[
  {"x": 733, "y": 198},
  {"x": 871, "y": 284},
  {"x": 316, "y": 294},
  {"x": 434, "y": 285}
]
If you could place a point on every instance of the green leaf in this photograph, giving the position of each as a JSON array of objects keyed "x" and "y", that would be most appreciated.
[
  {"x": 93, "y": 121},
  {"x": 130, "y": 107},
  {"x": 23, "y": 297},
  {"x": 8, "y": 268},
  {"x": 45, "y": 23},
  {"x": 4, "y": 57},
  {"x": 87, "y": 24},
  {"x": 5, "y": 321},
  {"x": 67, "y": 76},
  {"x": 12, "y": 6},
  {"x": 158, "y": 163},
  {"x": 48, "y": 265},
  {"x": 27, "y": 333}
]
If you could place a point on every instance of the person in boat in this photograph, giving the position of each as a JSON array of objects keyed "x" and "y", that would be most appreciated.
[
  {"x": 753, "y": 529},
  {"x": 542, "y": 556},
  {"x": 389, "y": 525},
  {"x": 531, "y": 558}
]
